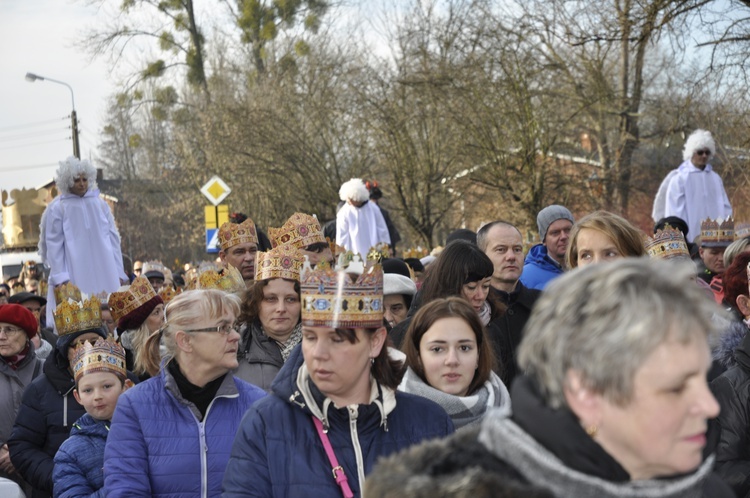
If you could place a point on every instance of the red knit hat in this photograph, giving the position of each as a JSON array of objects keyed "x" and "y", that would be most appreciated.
[
  {"x": 17, "y": 315},
  {"x": 135, "y": 318}
]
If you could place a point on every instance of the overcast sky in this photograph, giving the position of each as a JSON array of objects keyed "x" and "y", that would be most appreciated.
[{"x": 37, "y": 36}]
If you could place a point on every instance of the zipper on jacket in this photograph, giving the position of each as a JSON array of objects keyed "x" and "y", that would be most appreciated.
[{"x": 353, "y": 413}]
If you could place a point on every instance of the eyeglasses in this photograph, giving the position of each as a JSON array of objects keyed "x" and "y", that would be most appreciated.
[
  {"x": 223, "y": 329},
  {"x": 3, "y": 294},
  {"x": 10, "y": 331},
  {"x": 703, "y": 152}
]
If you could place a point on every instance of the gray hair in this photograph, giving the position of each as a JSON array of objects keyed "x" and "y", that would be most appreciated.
[
  {"x": 183, "y": 312},
  {"x": 72, "y": 168},
  {"x": 734, "y": 249},
  {"x": 603, "y": 321}
]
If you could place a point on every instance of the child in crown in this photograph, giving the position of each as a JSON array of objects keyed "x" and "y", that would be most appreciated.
[{"x": 100, "y": 377}]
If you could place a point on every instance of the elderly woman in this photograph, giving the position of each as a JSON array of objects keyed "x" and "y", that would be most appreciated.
[
  {"x": 334, "y": 403},
  {"x": 602, "y": 236},
  {"x": 450, "y": 359},
  {"x": 18, "y": 367},
  {"x": 172, "y": 434},
  {"x": 613, "y": 402},
  {"x": 270, "y": 316}
]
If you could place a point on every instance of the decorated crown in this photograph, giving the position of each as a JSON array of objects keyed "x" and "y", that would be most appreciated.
[
  {"x": 168, "y": 293},
  {"x": 300, "y": 230},
  {"x": 379, "y": 252},
  {"x": 67, "y": 292},
  {"x": 281, "y": 262},
  {"x": 668, "y": 243},
  {"x": 715, "y": 234},
  {"x": 741, "y": 230},
  {"x": 227, "y": 279},
  {"x": 415, "y": 252},
  {"x": 139, "y": 293},
  {"x": 105, "y": 355},
  {"x": 76, "y": 312},
  {"x": 350, "y": 296},
  {"x": 231, "y": 234}
]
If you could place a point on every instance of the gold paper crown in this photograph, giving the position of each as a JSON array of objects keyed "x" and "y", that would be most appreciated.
[
  {"x": 168, "y": 293},
  {"x": 282, "y": 262},
  {"x": 228, "y": 279},
  {"x": 105, "y": 355},
  {"x": 300, "y": 230},
  {"x": 333, "y": 298},
  {"x": 379, "y": 252},
  {"x": 715, "y": 234},
  {"x": 66, "y": 292},
  {"x": 741, "y": 230},
  {"x": 668, "y": 243},
  {"x": 139, "y": 293},
  {"x": 231, "y": 234},
  {"x": 415, "y": 252},
  {"x": 74, "y": 315}
]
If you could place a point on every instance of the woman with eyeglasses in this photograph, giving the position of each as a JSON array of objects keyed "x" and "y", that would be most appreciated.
[
  {"x": 171, "y": 435},
  {"x": 18, "y": 367}
]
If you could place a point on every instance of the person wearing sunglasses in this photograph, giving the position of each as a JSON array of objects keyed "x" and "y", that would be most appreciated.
[
  {"x": 694, "y": 191},
  {"x": 171, "y": 435}
]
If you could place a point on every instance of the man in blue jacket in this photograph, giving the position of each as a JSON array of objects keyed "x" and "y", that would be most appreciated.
[{"x": 545, "y": 261}]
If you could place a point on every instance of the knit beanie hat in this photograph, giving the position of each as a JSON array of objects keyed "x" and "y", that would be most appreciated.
[
  {"x": 549, "y": 215},
  {"x": 17, "y": 315},
  {"x": 135, "y": 318}
]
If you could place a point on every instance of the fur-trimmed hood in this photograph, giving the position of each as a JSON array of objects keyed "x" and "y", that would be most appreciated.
[{"x": 729, "y": 339}]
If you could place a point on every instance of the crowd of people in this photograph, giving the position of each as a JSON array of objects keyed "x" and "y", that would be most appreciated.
[{"x": 602, "y": 362}]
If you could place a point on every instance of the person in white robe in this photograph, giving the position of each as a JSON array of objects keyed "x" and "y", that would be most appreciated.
[
  {"x": 696, "y": 192},
  {"x": 79, "y": 241},
  {"x": 359, "y": 223}
]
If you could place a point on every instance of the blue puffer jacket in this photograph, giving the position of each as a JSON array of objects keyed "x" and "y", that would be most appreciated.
[
  {"x": 47, "y": 413},
  {"x": 158, "y": 446},
  {"x": 278, "y": 453},
  {"x": 539, "y": 269},
  {"x": 80, "y": 460}
]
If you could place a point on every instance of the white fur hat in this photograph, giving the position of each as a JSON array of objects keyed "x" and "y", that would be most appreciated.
[
  {"x": 698, "y": 140},
  {"x": 354, "y": 190}
]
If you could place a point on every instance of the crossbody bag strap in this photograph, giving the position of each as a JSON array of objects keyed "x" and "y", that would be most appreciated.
[{"x": 338, "y": 470}]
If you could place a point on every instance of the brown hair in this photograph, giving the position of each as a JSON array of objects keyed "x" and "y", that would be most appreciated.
[
  {"x": 451, "y": 307},
  {"x": 627, "y": 239},
  {"x": 387, "y": 371},
  {"x": 252, "y": 297}
]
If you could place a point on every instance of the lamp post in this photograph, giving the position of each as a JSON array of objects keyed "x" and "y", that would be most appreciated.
[{"x": 73, "y": 117}]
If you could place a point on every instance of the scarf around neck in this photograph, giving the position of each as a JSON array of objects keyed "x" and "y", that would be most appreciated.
[
  {"x": 294, "y": 339},
  {"x": 463, "y": 410},
  {"x": 550, "y": 448},
  {"x": 485, "y": 314},
  {"x": 14, "y": 360}
]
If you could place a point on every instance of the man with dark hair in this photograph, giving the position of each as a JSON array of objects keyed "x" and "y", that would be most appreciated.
[{"x": 503, "y": 244}]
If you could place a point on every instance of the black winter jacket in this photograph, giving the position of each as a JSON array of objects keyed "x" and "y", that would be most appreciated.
[
  {"x": 732, "y": 391},
  {"x": 47, "y": 413}
]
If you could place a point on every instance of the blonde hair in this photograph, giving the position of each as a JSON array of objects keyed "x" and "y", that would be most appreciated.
[
  {"x": 183, "y": 312},
  {"x": 627, "y": 239}
]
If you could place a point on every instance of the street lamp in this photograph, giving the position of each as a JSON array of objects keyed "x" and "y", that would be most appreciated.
[{"x": 73, "y": 118}]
